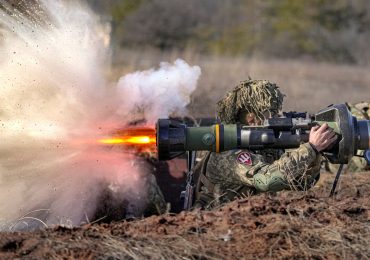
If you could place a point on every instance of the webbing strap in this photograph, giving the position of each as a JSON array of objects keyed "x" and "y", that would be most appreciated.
[
  {"x": 209, "y": 185},
  {"x": 202, "y": 173}
]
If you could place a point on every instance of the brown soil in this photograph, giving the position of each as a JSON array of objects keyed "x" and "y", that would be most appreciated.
[{"x": 286, "y": 225}]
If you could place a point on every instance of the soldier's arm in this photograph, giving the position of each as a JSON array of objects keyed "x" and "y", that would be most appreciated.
[{"x": 297, "y": 169}]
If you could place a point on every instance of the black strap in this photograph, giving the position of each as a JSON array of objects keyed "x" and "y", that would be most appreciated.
[{"x": 336, "y": 180}]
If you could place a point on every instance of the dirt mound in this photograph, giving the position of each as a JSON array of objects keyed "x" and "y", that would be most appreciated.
[{"x": 285, "y": 225}]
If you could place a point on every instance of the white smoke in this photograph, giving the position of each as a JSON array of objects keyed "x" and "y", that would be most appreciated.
[
  {"x": 55, "y": 103},
  {"x": 159, "y": 93}
]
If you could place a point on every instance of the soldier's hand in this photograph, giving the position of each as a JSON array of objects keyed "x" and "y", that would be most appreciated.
[{"x": 321, "y": 137}]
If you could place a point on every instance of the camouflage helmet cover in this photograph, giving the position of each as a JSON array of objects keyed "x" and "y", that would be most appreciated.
[{"x": 251, "y": 96}]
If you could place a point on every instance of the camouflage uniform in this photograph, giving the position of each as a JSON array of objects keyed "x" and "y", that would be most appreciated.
[
  {"x": 232, "y": 174},
  {"x": 155, "y": 203},
  {"x": 357, "y": 164}
]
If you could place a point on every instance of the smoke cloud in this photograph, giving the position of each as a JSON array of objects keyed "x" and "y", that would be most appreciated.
[
  {"x": 159, "y": 93},
  {"x": 55, "y": 103}
]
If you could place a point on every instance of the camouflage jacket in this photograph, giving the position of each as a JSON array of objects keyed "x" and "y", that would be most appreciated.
[
  {"x": 360, "y": 110},
  {"x": 237, "y": 173}
]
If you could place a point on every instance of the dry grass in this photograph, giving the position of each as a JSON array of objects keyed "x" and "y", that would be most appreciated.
[
  {"x": 282, "y": 226},
  {"x": 309, "y": 86}
]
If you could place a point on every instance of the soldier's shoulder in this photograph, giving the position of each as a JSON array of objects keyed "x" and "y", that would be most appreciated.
[{"x": 244, "y": 158}]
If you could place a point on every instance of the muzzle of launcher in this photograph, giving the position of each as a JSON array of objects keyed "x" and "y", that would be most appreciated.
[{"x": 174, "y": 138}]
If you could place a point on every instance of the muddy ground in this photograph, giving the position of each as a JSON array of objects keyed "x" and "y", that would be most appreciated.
[{"x": 284, "y": 225}]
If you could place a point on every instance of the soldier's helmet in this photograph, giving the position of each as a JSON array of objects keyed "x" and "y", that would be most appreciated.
[{"x": 251, "y": 96}]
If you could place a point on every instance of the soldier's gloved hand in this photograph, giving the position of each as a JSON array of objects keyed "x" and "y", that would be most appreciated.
[{"x": 321, "y": 137}]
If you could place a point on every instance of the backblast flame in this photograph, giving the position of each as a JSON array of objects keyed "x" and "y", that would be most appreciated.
[
  {"x": 129, "y": 140},
  {"x": 134, "y": 137}
]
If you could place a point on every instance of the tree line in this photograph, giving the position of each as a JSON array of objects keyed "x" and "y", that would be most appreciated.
[{"x": 324, "y": 30}]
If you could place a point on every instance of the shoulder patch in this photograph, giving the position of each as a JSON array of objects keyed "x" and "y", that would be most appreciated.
[{"x": 244, "y": 158}]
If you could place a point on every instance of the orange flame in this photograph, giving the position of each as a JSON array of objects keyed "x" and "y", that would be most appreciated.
[
  {"x": 132, "y": 137},
  {"x": 129, "y": 140}
]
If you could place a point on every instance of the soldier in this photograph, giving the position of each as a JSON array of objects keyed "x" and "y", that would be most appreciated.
[
  {"x": 154, "y": 201},
  {"x": 228, "y": 175}
]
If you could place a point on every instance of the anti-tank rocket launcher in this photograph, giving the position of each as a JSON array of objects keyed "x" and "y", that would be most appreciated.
[{"x": 175, "y": 138}]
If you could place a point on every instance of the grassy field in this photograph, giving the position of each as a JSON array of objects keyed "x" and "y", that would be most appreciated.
[{"x": 308, "y": 86}]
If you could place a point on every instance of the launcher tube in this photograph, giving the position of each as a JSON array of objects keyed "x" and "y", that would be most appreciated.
[
  {"x": 363, "y": 138},
  {"x": 216, "y": 138},
  {"x": 219, "y": 138}
]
